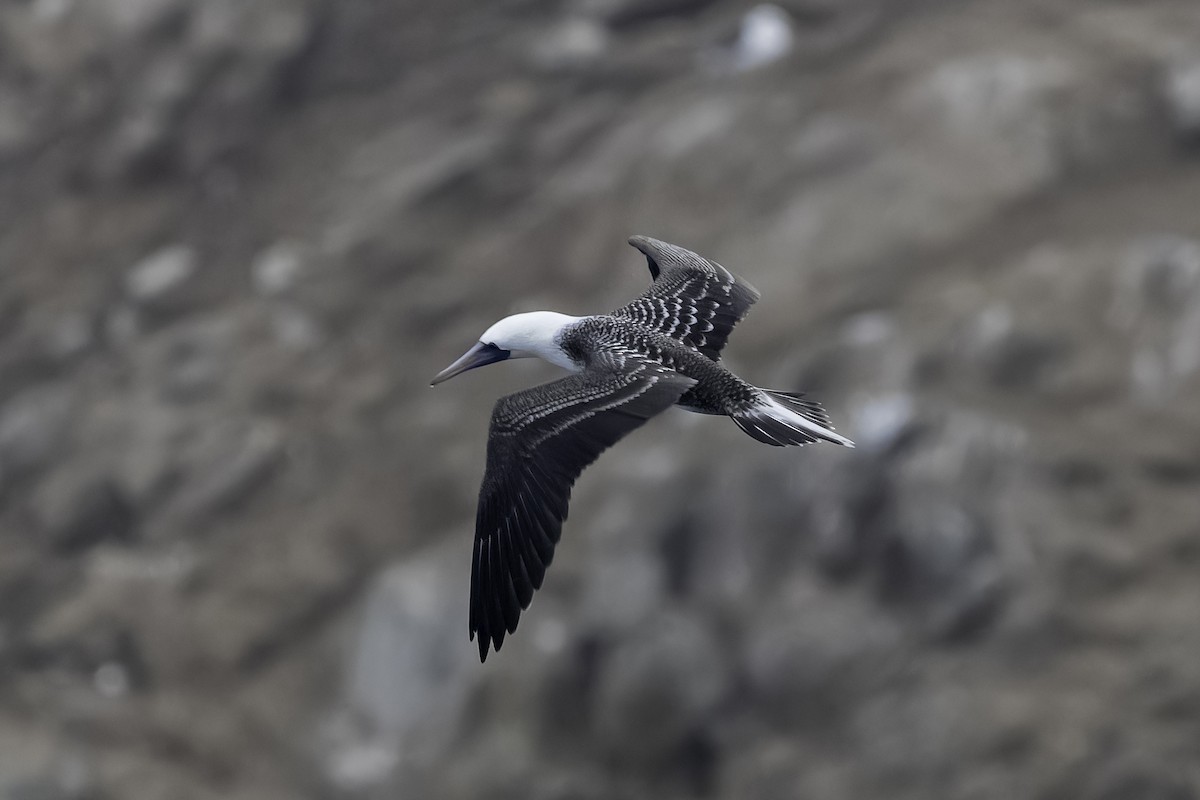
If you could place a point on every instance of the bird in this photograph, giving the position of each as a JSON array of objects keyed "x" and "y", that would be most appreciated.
[{"x": 661, "y": 350}]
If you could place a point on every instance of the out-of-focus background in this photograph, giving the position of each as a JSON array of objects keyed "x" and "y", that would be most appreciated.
[{"x": 238, "y": 238}]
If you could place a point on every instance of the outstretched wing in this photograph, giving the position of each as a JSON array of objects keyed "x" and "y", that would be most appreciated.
[
  {"x": 692, "y": 299},
  {"x": 539, "y": 442}
]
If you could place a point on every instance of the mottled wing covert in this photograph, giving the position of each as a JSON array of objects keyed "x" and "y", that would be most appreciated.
[{"x": 692, "y": 299}]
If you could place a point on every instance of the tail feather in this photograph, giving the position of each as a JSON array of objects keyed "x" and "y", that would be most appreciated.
[
  {"x": 783, "y": 418},
  {"x": 809, "y": 409}
]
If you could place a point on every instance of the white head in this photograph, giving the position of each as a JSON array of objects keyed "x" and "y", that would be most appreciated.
[{"x": 534, "y": 334}]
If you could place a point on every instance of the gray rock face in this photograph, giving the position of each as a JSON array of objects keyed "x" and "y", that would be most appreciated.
[
  {"x": 239, "y": 237},
  {"x": 1002, "y": 105},
  {"x": 659, "y": 686},
  {"x": 79, "y": 510},
  {"x": 231, "y": 468},
  {"x": 159, "y": 280},
  {"x": 403, "y": 676},
  {"x": 33, "y": 429},
  {"x": 954, "y": 517},
  {"x": 1182, "y": 92},
  {"x": 809, "y": 655},
  {"x": 1157, "y": 301},
  {"x": 276, "y": 269},
  {"x": 403, "y": 667},
  {"x": 570, "y": 43}
]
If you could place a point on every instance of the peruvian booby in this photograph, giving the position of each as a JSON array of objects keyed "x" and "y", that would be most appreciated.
[{"x": 663, "y": 349}]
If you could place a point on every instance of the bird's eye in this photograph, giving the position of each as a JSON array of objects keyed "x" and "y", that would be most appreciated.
[{"x": 499, "y": 352}]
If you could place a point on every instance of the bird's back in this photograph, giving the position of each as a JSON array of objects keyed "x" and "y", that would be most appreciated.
[{"x": 717, "y": 390}]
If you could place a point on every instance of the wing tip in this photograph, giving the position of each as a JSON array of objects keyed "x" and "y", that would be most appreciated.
[
  {"x": 485, "y": 642},
  {"x": 647, "y": 246}
]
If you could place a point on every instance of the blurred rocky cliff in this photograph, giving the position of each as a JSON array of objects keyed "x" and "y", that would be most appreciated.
[{"x": 237, "y": 239}]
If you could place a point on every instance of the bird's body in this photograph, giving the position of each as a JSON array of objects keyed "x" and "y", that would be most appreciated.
[
  {"x": 717, "y": 390},
  {"x": 662, "y": 349}
]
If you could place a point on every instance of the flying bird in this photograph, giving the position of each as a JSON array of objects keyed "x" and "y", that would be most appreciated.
[{"x": 661, "y": 350}]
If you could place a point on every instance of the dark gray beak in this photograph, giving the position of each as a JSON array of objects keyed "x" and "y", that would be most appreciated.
[{"x": 478, "y": 356}]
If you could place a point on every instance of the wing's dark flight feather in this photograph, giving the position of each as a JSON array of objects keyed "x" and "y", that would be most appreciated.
[
  {"x": 540, "y": 441},
  {"x": 504, "y": 573},
  {"x": 495, "y": 609},
  {"x": 522, "y": 583},
  {"x": 691, "y": 299}
]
